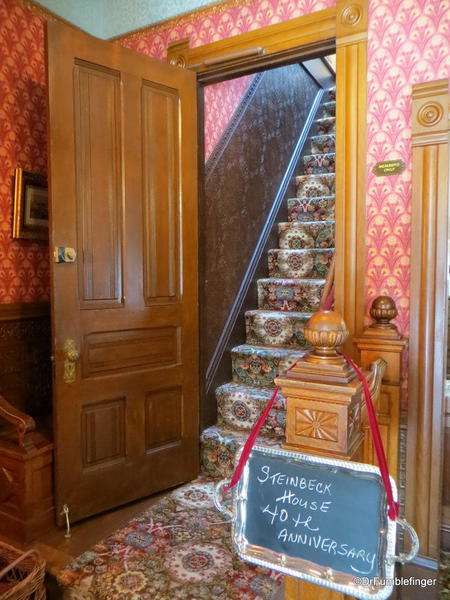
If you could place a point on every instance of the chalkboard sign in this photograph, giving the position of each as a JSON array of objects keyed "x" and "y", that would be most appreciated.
[{"x": 319, "y": 519}]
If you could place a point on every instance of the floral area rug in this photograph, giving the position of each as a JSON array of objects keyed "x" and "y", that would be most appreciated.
[{"x": 180, "y": 549}]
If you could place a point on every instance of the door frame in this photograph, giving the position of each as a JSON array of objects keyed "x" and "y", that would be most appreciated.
[{"x": 343, "y": 27}]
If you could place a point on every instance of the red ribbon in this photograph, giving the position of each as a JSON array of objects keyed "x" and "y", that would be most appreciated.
[
  {"x": 250, "y": 442},
  {"x": 393, "y": 507}
]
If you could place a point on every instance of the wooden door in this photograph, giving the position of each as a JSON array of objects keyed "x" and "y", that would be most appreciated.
[{"x": 122, "y": 130}]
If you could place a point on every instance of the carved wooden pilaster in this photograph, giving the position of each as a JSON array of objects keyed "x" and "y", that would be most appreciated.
[
  {"x": 382, "y": 339},
  {"x": 351, "y": 77},
  {"x": 430, "y": 129}
]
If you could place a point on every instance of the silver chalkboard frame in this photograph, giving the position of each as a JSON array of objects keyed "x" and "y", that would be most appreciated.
[{"x": 300, "y": 568}]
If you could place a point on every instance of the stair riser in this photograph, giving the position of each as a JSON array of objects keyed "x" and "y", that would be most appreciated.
[
  {"x": 259, "y": 368},
  {"x": 217, "y": 457},
  {"x": 324, "y": 126},
  {"x": 324, "y": 144},
  {"x": 315, "y": 186},
  {"x": 291, "y": 297},
  {"x": 241, "y": 412},
  {"x": 316, "y": 235},
  {"x": 218, "y": 452},
  {"x": 307, "y": 265},
  {"x": 311, "y": 209},
  {"x": 271, "y": 330},
  {"x": 316, "y": 164}
]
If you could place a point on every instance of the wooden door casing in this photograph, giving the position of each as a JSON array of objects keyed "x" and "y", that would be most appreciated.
[{"x": 123, "y": 172}]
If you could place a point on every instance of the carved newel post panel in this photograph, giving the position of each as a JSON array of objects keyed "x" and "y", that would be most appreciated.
[
  {"x": 324, "y": 410},
  {"x": 382, "y": 339}
]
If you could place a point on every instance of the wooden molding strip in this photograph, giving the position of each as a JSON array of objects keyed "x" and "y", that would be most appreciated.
[
  {"x": 428, "y": 320},
  {"x": 301, "y": 31},
  {"x": 236, "y": 117},
  {"x": 24, "y": 310}
]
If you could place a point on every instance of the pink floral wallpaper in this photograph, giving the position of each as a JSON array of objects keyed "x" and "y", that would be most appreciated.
[
  {"x": 409, "y": 42},
  {"x": 23, "y": 136},
  {"x": 221, "y": 100}
]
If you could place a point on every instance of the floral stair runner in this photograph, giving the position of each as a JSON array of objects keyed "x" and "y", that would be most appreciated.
[
  {"x": 286, "y": 299},
  {"x": 181, "y": 549}
]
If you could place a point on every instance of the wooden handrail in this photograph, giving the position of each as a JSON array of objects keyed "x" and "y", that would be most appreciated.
[{"x": 21, "y": 422}]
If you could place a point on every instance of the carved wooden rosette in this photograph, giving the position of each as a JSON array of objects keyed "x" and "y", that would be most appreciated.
[{"x": 382, "y": 339}]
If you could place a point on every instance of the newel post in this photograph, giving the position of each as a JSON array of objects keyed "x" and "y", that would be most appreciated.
[
  {"x": 382, "y": 339},
  {"x": 324, "y": 411}
]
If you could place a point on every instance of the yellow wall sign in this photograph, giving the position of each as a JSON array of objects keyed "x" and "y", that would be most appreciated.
[{"x": 388, "y": 167}]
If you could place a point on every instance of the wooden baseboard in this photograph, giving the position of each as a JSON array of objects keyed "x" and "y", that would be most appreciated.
[{"x": 24, "y": 310}]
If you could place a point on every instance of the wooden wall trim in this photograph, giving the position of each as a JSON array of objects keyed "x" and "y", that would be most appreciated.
[
  {"x": 226, "y": 136},
  {"x": 24, "y": 310},
  {"x": 301, "y": 31},
  {"x": 430, "y": 166},
  {"x": 351, "y": 78}
]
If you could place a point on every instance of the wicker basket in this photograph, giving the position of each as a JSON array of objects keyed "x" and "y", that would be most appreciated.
[{"x": 21, "y": 574}]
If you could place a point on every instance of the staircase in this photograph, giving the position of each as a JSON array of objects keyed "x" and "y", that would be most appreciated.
[{"x": 286, "y": 298}]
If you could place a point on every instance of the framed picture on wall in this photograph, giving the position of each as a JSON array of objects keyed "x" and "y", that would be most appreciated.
[{"x": 30, "y": 218}]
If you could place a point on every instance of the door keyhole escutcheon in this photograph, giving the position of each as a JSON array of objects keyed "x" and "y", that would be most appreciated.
[{"x": 71, "y": 355}]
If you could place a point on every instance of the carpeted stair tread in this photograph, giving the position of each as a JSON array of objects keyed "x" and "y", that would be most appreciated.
[
  {"x": 319, "y": 208},
  {"x": 276, "y": 329},
  {"x": 299, "y": 263},
  {"x": 293, "y": 295},
  {"x": 240, "y": 406},
  {"x": 295, "y": 235},
  {"x": 316, "y": 185},
  {"x": 219, "y": 446},
  {"x": 260, "y": 365}
]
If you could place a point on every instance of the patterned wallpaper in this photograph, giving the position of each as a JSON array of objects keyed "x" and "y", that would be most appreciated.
[
  {"x": 23, "y": 264},
  {"x": 221, "y": 100},
  {"x": 408, "y": 43}
]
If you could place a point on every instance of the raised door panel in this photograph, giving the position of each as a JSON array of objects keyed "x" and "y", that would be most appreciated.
[
  {"x": 161, "y": 191},
  {"x": 103, "y": 432},
  {"x": 121, "y": 351},
  {"x": 163, "y": 419},
  {"x": 98, "y": 108}
]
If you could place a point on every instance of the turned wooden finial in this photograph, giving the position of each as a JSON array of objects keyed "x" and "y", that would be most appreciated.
[
  {"x": 325, "y": 330},
  {"x": 383, "y": 310}
]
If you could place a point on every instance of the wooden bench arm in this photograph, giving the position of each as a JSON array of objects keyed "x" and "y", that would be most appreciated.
[{"x": 21, "y": 422}]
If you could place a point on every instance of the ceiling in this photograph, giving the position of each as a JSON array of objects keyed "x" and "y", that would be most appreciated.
[{"x": 109, "y": 18}]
